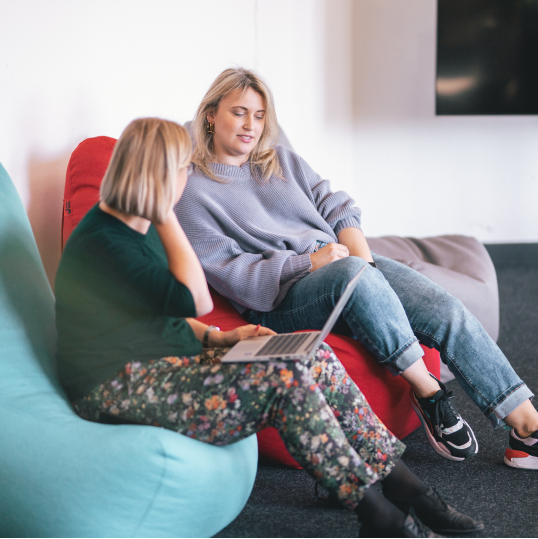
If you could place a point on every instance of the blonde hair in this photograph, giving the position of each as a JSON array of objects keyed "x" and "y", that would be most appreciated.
[
  {"x": 141, "y": 177},
  {"x": 263, "y": 156}
]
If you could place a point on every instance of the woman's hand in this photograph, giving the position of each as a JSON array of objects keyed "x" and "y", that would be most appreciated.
[
  {"x": 330, "y": 253},
  {"x": 225, "y": 339}
]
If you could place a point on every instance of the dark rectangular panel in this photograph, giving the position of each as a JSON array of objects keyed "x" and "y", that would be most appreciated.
[{"x": 487, "y": 57}]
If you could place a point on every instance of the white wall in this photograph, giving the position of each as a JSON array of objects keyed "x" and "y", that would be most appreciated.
[
  {"x": 418, "y": 174},
  {"x": 353, "y": 82}
]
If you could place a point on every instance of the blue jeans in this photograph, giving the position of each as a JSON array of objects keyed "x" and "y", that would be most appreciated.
[{"x": 391, "y": 311}]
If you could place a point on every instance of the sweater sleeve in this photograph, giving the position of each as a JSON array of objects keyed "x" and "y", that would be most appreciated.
[
  {"x": 257, "y": 281},
  {"x": 336, "y": 208}
]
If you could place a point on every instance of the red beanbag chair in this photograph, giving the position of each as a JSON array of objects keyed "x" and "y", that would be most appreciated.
[
  {"x": 388, "y": 395},
  {"x": 86, "y": 168}
]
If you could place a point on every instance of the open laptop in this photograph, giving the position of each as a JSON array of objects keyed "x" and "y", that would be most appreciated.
[{"x": 289, "y": 345}]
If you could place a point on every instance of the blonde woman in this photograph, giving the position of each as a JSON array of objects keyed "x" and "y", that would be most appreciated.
[
  {"x": 277, "y": 242},
  {"x": 127, "y": 288}
]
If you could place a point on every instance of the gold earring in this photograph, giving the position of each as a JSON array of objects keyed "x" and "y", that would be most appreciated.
[{"x": 210, "y": 128}]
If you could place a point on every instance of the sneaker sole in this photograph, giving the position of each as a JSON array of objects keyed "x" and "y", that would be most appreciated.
[
  {"x": 437, "y": 447},
  {"x": 520, "y": 459}
]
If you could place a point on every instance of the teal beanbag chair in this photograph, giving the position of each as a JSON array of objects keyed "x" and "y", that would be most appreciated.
[{"x": 63, "y": 476}]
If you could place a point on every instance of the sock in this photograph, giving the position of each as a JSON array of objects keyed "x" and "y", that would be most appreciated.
[
  {"x": 402, "y": 484},
  {"x": 379, "y": 516}
]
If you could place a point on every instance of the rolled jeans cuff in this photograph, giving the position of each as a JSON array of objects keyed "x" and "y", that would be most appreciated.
[
  {"x": 411, "y": 354},
  {"x": 508, "y": 403}
]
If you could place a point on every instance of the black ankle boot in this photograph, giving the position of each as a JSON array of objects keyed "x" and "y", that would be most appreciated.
[
  {"x": 329, "y": 499},
  {"x": 435, "y": 513},
  {"x": 412, "y": 527}
]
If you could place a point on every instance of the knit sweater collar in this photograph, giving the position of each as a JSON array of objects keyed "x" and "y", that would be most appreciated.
[{"x": 232, "y": 171}]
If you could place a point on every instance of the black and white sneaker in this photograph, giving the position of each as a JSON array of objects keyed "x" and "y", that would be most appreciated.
[
  {"x": 522, "y": 452},
  {"x": 449, "y": 434}
]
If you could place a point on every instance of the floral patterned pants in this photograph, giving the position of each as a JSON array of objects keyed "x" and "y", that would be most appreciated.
[{"x": 322, "y": 416}]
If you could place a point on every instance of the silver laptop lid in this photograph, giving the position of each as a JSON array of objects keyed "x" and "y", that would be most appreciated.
[{"x": 338, "y": 308}]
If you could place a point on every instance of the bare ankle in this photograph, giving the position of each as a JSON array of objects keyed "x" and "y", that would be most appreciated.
[
  {"x": 524, "y": 419},
  {"x": 525, "y": 432},
  {"x": 423, "y": 384},
  {"x": 425, "y": 395}
]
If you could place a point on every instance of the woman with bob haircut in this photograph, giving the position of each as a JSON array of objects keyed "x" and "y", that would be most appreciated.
[
  {"x": 129, "y": 350},
  {"x": 281, "y": 246}
]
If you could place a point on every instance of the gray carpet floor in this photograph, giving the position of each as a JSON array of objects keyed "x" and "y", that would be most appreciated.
[{"x": 283, "y": 503}]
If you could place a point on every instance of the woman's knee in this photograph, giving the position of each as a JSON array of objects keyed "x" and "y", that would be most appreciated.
[
  {"x": 325, "y": 363},
  {"x": 343, "y": 270},
  {"x": 444, "y": 316},
  {"x": 351, "y": 265},
  {"x": 453, "y": 310},
  {"x": 324, "y": 355}
]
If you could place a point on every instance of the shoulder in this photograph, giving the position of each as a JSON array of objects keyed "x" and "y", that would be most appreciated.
[
  {"x": 286, "y": 155},
  {"x": 90, "y": 227},
  {"x": 97, "y": 235},
  {"x": 294, "y": 167}
]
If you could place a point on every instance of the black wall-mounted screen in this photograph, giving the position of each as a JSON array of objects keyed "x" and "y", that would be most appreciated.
[{"x": 487, "y": 57}]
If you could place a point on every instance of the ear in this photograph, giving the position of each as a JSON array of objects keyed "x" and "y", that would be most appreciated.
[{"x": 210, "y": 116}]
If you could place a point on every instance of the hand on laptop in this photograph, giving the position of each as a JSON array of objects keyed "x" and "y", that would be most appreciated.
[{"x": 224, "y": 339}]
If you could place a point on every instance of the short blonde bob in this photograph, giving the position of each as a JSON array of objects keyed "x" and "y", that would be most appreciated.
[
  {"x": 141, "y": 177},
  {"x": 263, "y": 157}
]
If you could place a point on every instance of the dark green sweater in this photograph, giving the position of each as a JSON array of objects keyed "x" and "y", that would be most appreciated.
[{"x": 116, "y": 302}]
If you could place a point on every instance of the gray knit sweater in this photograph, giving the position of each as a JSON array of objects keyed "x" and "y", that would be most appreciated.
[{"x": 254, "y": 239}]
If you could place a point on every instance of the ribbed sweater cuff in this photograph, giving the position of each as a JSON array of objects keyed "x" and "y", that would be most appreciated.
[
  {"x": 348, "y": 222},
  {"x": 294, "y": 266}
]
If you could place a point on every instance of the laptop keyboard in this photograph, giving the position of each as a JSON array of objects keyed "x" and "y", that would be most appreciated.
[{"x": 283, "y": 344}]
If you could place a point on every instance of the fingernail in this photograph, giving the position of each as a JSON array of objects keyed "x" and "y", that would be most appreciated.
[{"x": 257, "y": 327}]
